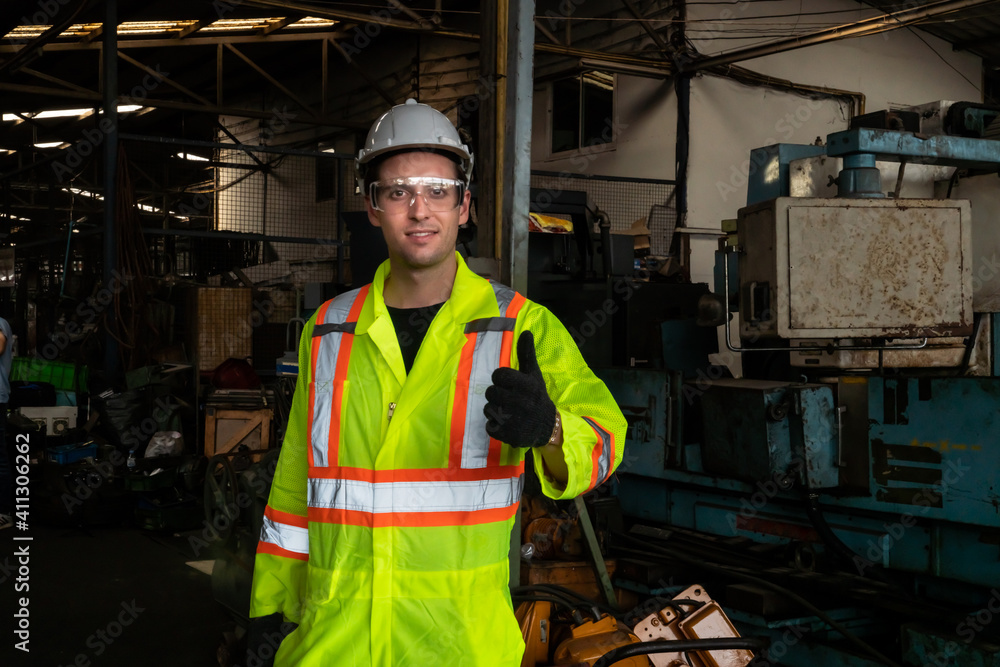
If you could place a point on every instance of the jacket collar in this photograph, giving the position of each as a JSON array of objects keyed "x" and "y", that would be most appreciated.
[{"x": 471, "y": 298}]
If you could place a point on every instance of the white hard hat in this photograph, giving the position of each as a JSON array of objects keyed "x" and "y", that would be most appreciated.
[{"x": 412, "y": 126}]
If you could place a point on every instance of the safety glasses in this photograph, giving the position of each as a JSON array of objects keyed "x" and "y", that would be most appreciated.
[{"x": 397, "y": 195}]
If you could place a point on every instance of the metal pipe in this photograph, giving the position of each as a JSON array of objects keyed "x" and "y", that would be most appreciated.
[
  {"x": 863, "y": 28},
  {"x": 243, "y": 147}
]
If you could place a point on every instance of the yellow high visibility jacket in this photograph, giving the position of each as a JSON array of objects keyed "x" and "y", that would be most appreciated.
[{"x": 388, "y": 524}]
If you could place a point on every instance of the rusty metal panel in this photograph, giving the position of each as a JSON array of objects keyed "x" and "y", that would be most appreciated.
[
  {"x": 856, "y": 268},
  {"x": 873, "y": 267}
]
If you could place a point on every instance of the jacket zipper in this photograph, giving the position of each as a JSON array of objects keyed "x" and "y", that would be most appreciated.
[{"x": 392, "y": 407}]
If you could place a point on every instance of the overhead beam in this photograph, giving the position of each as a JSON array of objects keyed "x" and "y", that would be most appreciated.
[
  {"x": 337, "y": 14},
  {"x": 167, "y": 42},
  {"x": 644, "y": 22},
  {"x": 179, "y": 106},
  {"x": 546, "y": 32},
  {"x": 52, "y": 79},
  {"x": 340, "y": 34},
  {"x": 194, "y": 27},
  {"x": 364, "y": 74},
  {"x": 278, "y": 25},
  {"x": 93, "y": 34},
  {"x": 423, "y": 22},
  {"x": 274, "y": 82},
  {"x": 165, "y": 79},
  {"x": 872, "y": 26}
]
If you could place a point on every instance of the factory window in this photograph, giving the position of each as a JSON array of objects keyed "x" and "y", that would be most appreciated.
[{"x": 583, "y": 111}]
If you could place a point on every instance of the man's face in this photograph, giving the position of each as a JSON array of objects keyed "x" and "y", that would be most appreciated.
[{"x": 417, "y": 237}]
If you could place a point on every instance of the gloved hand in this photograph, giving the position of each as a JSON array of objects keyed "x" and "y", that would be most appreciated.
[
  {"x": 518, "y": 408},
  {"x": 264, "y": 635}
]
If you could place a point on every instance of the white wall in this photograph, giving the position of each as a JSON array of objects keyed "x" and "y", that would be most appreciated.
[{"x": 729, "y": 119}]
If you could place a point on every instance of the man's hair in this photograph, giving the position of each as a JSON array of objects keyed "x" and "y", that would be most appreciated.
[{"x": 373, "y": 169}]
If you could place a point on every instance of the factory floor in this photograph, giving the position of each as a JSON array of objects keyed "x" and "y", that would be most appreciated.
[{"x": 120, "y": 596}]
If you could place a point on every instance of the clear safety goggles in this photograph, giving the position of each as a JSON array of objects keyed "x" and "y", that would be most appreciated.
[{"x": 399, "y": 194}]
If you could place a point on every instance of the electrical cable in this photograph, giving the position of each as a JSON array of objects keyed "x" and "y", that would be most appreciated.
[
  {"x": 568, "y": 601},
  {"x": 830, "y": 538},
  {"x": 577, "y": 616},
  {"x": 680, "y": 646},
  {"x": 791, "y": 595}
]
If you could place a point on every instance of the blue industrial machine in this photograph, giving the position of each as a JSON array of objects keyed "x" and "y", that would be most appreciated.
[{"x": 858, "y": 421}]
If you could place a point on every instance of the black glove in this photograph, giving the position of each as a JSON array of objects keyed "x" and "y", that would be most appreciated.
[
  {"x": 518, "y": 408},
  {"x": 264, "y": 635}
]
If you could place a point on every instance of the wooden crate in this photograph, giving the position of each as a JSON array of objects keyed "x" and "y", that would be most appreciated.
[{"x": 227, "y": 429}]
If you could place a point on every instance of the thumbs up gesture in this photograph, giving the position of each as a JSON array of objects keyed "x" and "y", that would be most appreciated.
[{"x": 518, "y": 408}]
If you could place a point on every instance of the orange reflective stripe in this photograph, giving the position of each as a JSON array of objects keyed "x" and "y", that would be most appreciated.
[
  {"x": 418, "y": 474},
  {"x": 458, "y": 406},
  {"x": 515, "y": 305},
  {"x": 513, "y": 308},
  {"x": 285, "y": 517},
  {"x": 410, "y": 519},
  {"x": 275, "y": 550},
  {"x": 343, "y": 362},
  {"x": 603, "y": 454}
]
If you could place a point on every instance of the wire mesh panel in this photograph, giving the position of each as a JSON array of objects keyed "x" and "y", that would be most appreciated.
[{"x": 625, "y": 200}]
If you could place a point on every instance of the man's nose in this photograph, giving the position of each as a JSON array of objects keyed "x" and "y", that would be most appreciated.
[{"x": 418, "y": 205}]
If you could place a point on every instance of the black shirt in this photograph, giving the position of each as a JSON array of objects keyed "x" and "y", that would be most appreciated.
[{"x": 411, "y": 325}]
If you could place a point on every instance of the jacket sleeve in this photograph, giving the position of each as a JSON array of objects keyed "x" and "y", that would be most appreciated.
[
  {"x": 593, "y": 424},
  {"x": 283, "y": 550}
]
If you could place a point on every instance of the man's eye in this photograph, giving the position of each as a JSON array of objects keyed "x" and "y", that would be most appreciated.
[
  {"x": 398, "y": 193},
  {"x": 437, "y": 191}
]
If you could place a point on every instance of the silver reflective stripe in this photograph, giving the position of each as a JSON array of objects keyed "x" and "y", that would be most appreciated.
[
  {"x": 604, "y": 460},
  {"x": 485, "y": 360},
  {"x": 289, "y": 538},
  {"x": 326, "y": 367},
  {"x": 429, "y": 496},
  {"x": 504, "y": 296}
]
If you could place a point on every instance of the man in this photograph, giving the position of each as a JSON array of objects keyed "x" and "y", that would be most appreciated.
[
  {"x": 6, "y": 472},
  {"x": 388, "y": 524}
]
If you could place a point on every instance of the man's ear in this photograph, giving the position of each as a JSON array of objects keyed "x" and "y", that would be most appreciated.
[
  {"x": 463, "y": 214},
  {"x": 372, "y": 213}
]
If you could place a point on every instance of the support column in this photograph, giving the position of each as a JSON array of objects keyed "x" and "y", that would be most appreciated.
[
  {"x": 516, "y": 128},
  {"x": 109, "y": 88}
]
